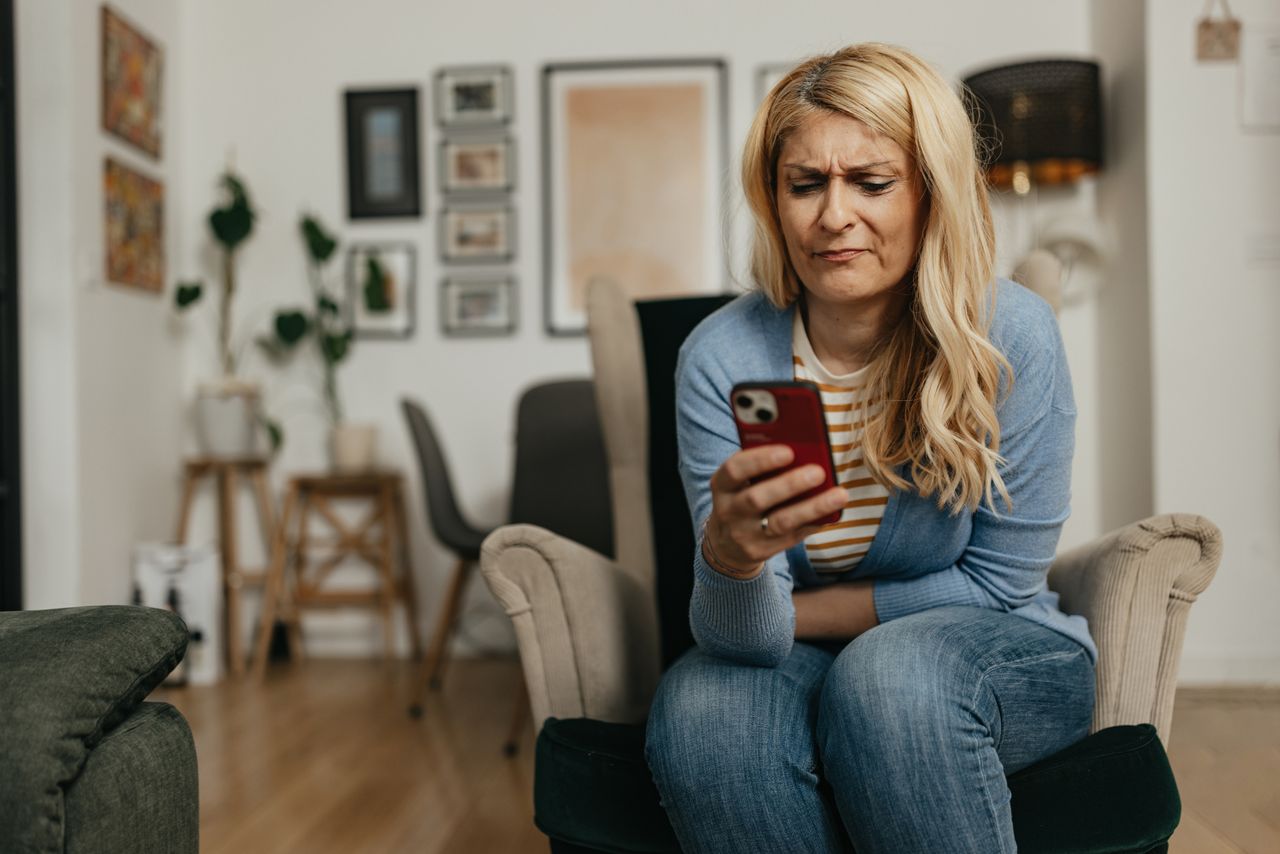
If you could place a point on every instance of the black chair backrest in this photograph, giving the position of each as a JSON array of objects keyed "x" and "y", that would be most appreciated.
[
  {"x": 664, "y": 325},
  {"x": 442, "y": 510},
  {"x": 561, "y": 472}
]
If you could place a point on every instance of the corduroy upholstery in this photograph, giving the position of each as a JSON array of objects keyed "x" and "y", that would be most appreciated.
[{"x": 594, "y": 634}]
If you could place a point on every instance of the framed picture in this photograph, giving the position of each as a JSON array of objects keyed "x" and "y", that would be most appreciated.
[
  {"x": 477, "y": 233},
  {"x": 634, "y": 160},
  {"x": 134, "y": 228},
  {"x": 382, "y": 154},
  {"x": 477, "y": 165},
  {"x": 132, "y": 74},
  {"x": 473, "y": 95},
  {"x": 477, "y": 305},
  {"x": 380, "y": 290},
  {"x": 767, "y": 76}
]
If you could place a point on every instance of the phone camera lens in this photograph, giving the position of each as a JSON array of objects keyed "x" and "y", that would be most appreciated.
[
  {"x": 744, "y": 401},
  {"x": 764, "y": 415}
]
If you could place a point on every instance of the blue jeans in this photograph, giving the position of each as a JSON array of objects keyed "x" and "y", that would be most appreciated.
[{"x": 899, "y": 742}]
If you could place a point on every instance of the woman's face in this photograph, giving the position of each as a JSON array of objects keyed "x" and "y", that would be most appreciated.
[{"x": 851, "y": 206}]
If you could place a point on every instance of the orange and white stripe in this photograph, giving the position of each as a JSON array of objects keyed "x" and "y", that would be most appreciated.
[{"x": 840, "y": 546}]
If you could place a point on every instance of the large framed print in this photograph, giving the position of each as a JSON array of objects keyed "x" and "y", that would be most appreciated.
[
  {"x": 382, "y": 154},
  {"x": 634, "y": 162},
  {"x": 132, "y": 78}
]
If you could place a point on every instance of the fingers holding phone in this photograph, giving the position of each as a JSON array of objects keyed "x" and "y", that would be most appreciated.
[
  {"x": 781, "y": 487},
  {"x": 754, "y": 512}
]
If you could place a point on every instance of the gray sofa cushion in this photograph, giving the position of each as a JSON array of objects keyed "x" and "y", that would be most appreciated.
[
  {"x": 67, "y": 677},
  {"x": 144, "y": 768}
]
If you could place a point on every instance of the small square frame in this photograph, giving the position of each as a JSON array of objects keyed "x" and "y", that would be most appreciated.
[
  {"x": 459, "y": 247},
  {"x": 492, "y": 166},
  {"x": 403, "y": 314},
  {"x": 461, "y": 294},
  {"x": 473, "y": 96}
]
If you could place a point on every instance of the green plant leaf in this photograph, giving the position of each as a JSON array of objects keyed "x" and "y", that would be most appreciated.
[
  {"x": 335, "y": 347},
  {"x": 187, "y": 293},
  {"x": 375, "y": 286},
  {"x": 327, "y": 305},
  {"x": 274, "y": 431},
  {"x": 291, "y": 326},
  {"x": 232, "y": 223},
  {"x": 320, "y": 243}
]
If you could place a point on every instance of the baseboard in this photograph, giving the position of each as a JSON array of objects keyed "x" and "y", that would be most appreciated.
[{"x": 1209, "y": 671}]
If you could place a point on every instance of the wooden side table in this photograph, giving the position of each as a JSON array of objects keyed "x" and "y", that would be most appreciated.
[
  {"x": 226, "y": 472},
  {"x": 380, "y": 539}
]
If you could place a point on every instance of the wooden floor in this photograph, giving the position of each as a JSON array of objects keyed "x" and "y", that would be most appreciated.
[{"x": 322, "y": 757}]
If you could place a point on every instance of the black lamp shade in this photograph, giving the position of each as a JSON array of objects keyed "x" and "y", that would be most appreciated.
[{"x": 1042, "y": 117}]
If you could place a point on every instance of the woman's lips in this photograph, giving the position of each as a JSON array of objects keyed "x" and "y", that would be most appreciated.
[{"x": 842, "y": 255}]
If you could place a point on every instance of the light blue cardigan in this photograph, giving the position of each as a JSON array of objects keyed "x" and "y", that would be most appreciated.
[{"x": 921, "y": 557}]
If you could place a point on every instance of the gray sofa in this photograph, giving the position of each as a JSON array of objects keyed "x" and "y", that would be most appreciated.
[{"x": 85, "y": 764}]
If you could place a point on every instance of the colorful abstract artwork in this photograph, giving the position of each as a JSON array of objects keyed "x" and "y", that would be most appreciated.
[
  {"x": 132, "y": 70},
  {"x": 134, "y": 227}
]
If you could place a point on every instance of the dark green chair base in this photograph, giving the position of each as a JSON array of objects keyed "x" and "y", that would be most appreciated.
[{"x": 1111, "y": 793}]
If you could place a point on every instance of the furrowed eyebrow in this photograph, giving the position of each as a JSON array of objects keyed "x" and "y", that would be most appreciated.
[{"x": 864, "y": 167}]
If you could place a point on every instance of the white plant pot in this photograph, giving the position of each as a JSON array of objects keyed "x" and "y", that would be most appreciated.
[
  {"x": 226, "y": 418},
  {"x": 354, "y": 447}
]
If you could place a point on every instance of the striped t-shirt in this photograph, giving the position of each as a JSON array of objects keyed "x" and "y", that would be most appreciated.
[{"x": 839, "y": 547}]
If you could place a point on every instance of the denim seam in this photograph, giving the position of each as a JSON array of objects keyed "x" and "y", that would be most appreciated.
[{"x": 986, "y": 795}]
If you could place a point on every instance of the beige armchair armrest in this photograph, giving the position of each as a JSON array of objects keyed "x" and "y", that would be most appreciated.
[
  {"x": 1135, "y": 586},
  {"x": 587, "y": 629}
]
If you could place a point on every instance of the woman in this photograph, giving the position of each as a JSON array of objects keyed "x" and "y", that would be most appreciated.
[{"x": 872, "y": 681}]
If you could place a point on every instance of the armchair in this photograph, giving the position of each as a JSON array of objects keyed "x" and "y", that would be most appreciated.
[{"x": 594, "y": 634}]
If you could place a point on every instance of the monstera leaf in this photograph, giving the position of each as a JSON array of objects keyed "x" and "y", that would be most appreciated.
[
  {"x": 291, "y": 326},
  {"x": 320, "y": 244},
  {"x": 187, "y": 293},
  {"x": 232, "y": 223}
]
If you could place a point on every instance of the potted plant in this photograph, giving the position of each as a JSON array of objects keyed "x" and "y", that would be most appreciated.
[
  {"x": 352, "y": 446},
  {"x": 228, "y": 410}
]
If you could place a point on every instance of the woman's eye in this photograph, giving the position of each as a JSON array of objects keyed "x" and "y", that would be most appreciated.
[
  {"x": 805, "y": 188},
  {"x": 875, "y": 188}
]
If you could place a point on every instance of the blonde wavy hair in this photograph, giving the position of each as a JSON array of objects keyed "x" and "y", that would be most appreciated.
[{"x": 936, "y": 372}]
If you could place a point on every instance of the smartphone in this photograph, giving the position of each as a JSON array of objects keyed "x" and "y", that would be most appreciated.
[{"x": 786, "y": 413}]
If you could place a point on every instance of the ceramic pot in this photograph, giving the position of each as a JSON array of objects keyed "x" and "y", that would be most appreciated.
[
  {"x": 226, "y": 418},
  {"x": 354, "y": 447}
]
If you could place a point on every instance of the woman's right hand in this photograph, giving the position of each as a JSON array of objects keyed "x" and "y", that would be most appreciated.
[{"x": 734, "y": 541}]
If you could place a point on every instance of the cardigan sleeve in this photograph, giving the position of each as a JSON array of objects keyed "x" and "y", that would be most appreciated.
[
  {"x": 1006, "y": 561},
  {"x": 752, "y": 621}
]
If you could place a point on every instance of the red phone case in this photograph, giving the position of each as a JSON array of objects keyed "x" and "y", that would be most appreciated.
[{"x": 800, "y": 425}]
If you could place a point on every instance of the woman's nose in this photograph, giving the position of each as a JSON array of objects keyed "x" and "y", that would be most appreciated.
[{"x": 839, "y": 207}]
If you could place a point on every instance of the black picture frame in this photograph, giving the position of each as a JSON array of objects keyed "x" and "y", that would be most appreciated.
[
  {"x": 393, "y": 188},
  {"x": 449, "y": 182},
  {"x": 450, "y": 253},
  {"x": 403, "y": 321},
  {"x": 717, "y": 89},
  {"x": 450, "y": 324},
  {"x": 452, "y": 115}
]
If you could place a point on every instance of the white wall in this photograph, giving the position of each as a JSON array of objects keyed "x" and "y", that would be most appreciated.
[
  {"x": 106, "y": 387},
  {"x": 283, "y": 119},
  {"x": 101, "y": 395},
  {"x": 1215, "y": 352}
]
